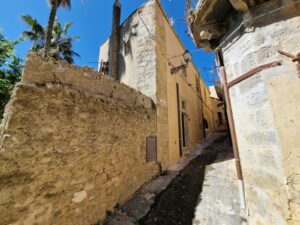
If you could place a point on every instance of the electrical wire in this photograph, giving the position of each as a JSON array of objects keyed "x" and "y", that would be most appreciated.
[{"x": 148, "y": 30}]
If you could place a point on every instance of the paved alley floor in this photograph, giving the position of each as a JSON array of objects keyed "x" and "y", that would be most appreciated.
[
  {"x": 218, "y": 203},
  {"x": 200, "y": 189}
]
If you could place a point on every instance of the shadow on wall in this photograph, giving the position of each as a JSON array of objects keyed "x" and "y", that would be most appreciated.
[
  {"x": 178, "y": 201},
  {"x": 128, "y": 32}
]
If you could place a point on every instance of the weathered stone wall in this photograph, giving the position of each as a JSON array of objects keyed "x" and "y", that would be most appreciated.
[
  {"x": 169, "y": 51},
  {"x": 271, "y": 173},
  {"x": 284, "y": 93},
  {"x": 162, "y": 91},
  {"x": 72, "y": 146},
  {"x": 150, "y": 48},
  {"x": 137, "y": 56}
]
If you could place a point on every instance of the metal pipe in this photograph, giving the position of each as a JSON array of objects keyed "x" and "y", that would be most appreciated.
[
  {"x": 233, "y": 138},
  {"x": 286, "y": 54},
  {"x": 253, "y": 72}
]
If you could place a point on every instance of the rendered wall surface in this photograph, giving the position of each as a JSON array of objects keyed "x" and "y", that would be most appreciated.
[
  {"x": 286, "y": 114},
  {"x": 137, "y": 56},
  {"x": 188, "y": 93},
  {"x": 162, "y": 91},
  {"x": 269, "y": 155},
  {"x": 148, "y": 56},
  {"x": 72, "y": 146},
  {"x": 221, "y": 125}
]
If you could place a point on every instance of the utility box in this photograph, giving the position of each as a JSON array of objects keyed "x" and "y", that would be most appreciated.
[{"x": 151, "y": 149}]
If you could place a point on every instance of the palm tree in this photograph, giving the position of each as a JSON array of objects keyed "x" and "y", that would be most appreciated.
[
  {"x": 36, "y": 33},
  {"x": 60, "y": 44},
  {"x": 55, "y": 4}
]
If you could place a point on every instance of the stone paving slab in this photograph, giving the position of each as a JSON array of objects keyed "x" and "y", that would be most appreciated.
[
  {"x": 141, "y": 202},
  {"x": 218, "y": 203}
]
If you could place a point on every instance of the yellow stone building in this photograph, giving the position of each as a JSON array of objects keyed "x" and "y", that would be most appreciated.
[
  {"x": 150, "y": 60},
  {"x": 257, "y": 49}
]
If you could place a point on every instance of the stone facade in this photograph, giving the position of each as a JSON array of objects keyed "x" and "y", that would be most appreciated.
[
  {"x": 150, "y": 49},
  {"x": 271, "y": 170},
  {"x": 266, "y": 105},
  {"x": 72, "y": 145},
  {"x": 137, "y": 57}
]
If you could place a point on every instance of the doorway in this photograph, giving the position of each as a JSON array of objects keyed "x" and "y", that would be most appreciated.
[
  {"x": 184, "y": 125},
  {"x": 179, "y": 120},
  {"x": 220, "y": 117}
]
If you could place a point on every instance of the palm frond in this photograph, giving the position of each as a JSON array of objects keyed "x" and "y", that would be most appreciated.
[
  {"x": 29, "y": 19},
  {"x": 66, "y": 27},
  {"x": 65, "y": 3},
  {"x": 61, "y": 44}
]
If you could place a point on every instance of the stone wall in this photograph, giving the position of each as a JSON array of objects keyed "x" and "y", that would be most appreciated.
[
  {"x": 150, "y": 48},
  {"x": 284, "y": 93},
  {"x": 137, "y": 56},
  {"x": 72, "y": 145},
  {"x": 162, "y": 91},
  {"x": 268, "y": 151}
]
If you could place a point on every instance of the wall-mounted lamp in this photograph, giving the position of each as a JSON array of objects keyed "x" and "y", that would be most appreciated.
[{"x": 187, "y": 57}]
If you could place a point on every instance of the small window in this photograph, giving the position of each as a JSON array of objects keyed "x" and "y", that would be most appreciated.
[{"x": 104, "y": 68}]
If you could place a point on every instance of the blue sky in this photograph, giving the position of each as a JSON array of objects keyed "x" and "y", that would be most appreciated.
[{"x": 92, "y": 22}]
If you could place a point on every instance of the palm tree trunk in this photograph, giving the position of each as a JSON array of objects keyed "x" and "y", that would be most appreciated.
[{"x": 50, "y": 27}]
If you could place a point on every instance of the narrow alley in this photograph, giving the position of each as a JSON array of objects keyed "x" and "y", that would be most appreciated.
[
  {"x": 187, "y": 199},
  {"x": 164, "y": 113}
]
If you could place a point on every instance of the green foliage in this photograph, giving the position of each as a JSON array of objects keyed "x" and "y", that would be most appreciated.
[
  {"x": 61, "y": 44},
  {"x": 5, "y": 91},
  {"x": 10, "y": 69}
]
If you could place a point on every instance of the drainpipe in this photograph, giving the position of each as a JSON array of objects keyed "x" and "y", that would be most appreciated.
[
  {"x": 115, "y": 41},
  {"x": 202, "y": 112},
  {"x": 233, "y": 138}
]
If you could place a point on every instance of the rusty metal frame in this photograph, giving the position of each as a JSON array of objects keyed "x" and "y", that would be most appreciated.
[
  {"x": 231, "y": 124},
  {"x": 253, "y": 72},
  {"x": 295, "y": 59}
]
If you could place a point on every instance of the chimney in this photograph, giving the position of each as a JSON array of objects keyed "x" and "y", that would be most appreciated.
[{"x": 115, "y": 41}]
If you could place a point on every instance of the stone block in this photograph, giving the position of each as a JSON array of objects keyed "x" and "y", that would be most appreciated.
[{"x": 69, "y": 144}]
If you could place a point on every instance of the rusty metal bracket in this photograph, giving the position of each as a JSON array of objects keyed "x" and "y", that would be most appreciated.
[
  {"x": 295, "y": 59},
  {"x": 253, "y": 72}
]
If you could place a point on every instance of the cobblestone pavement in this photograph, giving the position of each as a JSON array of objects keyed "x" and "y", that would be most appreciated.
[{"x": 185, "y": 191}]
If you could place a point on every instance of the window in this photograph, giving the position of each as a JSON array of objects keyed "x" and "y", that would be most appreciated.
[{"x": 104, "y": 68}]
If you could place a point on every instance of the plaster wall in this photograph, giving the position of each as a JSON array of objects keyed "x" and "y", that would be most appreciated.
[
  {"x": 208, "y": 111},
  {"x": 147, "y": 57},
  {"x": 188, "y": 94},
  {"x": 104, "y": 52},
  {"x": 137, "y": 56},
  {"x": 286, "y": 114},
  {"x": 162, "y": 91},
  {"x": 218, "y": 109},
  {"x": 260, "y": 105},
  {"x": 70, "y": 142}
]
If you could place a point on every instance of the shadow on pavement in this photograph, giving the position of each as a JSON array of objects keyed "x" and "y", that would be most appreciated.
[{"x": 176, "y": 205}]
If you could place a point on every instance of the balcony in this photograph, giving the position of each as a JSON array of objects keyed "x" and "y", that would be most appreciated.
[{"x": 209, "y": 20}]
